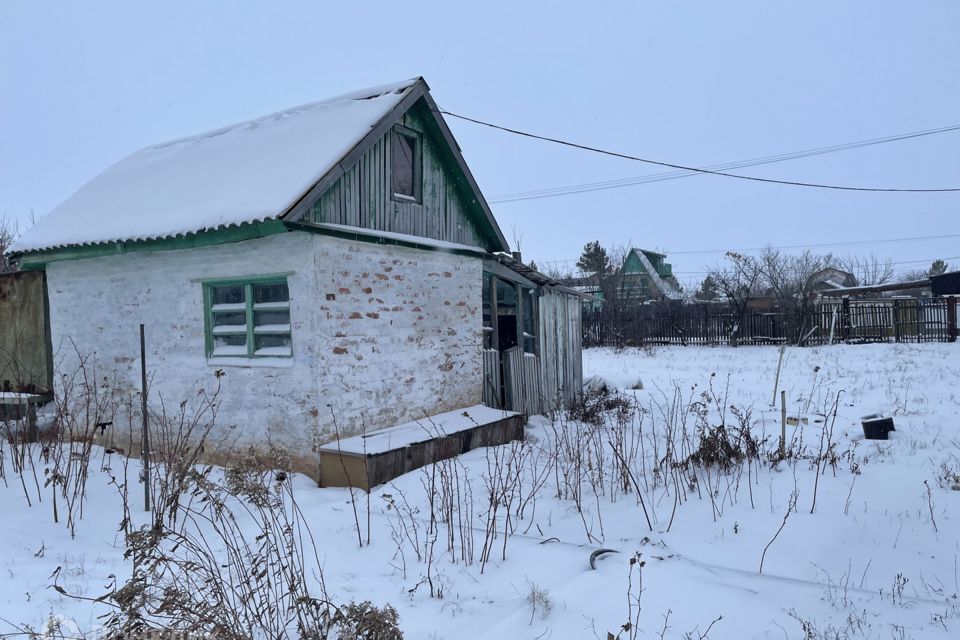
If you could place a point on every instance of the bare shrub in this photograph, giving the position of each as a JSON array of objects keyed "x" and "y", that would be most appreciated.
[
  {"x": 364, "y": 621},
  {"x": 538, "y": 599},
  {"x": 177, "y": 441},
  {"x": 231, "y": 565},
  {"x": 595, "y": 405}
]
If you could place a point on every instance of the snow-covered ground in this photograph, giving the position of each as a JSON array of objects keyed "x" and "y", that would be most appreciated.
[{"x": 877, "y": 556}]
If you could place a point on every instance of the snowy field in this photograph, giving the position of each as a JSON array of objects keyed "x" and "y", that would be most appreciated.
[{"x": 857, "y": 538}]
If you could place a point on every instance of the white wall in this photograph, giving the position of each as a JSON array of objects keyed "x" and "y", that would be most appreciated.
[{"x": 381, "y": 334}]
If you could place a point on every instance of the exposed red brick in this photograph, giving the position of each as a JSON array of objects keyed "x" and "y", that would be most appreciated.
[
  {"x": 447, "y": 274},
  {"x": 344, "y": 290},
  {"x": 372, "y": 315},
  {"x": 398, "y": 277},
  {"x": 355, "y": 315},
  {"x": 381, "y": 276},
  {"x": 367, "y": 290},
  {"x": 446, "y": 366},
  {"x": 416, "y": 309},
  {"x": 339, "y": 350}
]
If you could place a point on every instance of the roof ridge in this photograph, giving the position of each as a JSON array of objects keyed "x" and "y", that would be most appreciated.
[{"x": 361, "y": 94}]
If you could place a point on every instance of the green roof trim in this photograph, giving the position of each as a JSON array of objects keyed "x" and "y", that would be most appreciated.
[{"x": 40, "y": 259}]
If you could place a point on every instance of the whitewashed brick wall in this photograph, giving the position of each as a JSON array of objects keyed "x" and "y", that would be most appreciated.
[{"x": 381, "y": 335}]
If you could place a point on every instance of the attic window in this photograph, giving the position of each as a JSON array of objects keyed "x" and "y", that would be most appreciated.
[
  {"x": 248, "y": 318},
  {"x": 405, "y": 163}
]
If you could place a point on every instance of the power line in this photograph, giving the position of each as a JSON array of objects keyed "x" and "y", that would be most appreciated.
[
  {"x": 586, "y": 187},
  {"x": 800, "y": 246},
  {"x": 702, "y": 273},
  {"x": 821, "y": 245},
  {"x": 792, "y": 183}
]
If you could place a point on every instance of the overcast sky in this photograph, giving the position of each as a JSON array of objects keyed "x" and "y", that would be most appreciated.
[{"x": 83, "y": 84}]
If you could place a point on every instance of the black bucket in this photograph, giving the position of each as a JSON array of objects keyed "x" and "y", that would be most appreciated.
[{"x": 877, "y": 427}]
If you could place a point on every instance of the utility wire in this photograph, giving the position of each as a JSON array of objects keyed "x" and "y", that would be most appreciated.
[
  {"x": 801, "y": 246},
  {"x": 792, "y": 183},
  {"x": 696, "y": 273},
  {"x": 620, "y": 183}
]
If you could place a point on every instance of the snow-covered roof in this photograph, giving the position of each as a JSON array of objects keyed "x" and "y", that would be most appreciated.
[
  {"x": 665, "y": 287},
  {"x": 248, "y": 172}
]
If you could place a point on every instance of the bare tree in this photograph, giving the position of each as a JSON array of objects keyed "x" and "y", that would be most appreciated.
[
  {"x": 8, "y": 231},
  {"x": 868, "y": 270},
  {"x": 737, "y": 280},
  {"x": 552, "y": 270},
  {"x": 937, "y": 267},
  {"x": 788, "y": 279}
]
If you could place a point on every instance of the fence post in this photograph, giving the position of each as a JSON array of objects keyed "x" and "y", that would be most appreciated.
[
  {"x": 951, "y": 319},
  {"x": 896, "y": 320},
  {"x": 845, "y": 320},
  {"x": 145, "y": 435}
]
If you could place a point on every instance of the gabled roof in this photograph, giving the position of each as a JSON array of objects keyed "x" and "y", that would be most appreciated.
[
  {"x": 268, "y": 168},
  {"x": 664, "y": 286}
]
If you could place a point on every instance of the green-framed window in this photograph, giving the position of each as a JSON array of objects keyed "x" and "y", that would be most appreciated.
[{"x": 248, "y": 318}]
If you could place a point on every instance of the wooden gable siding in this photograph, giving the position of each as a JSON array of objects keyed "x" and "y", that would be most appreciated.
[{"x": 363, "y": 197}]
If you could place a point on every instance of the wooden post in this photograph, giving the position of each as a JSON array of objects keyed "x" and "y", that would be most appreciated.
[
  {"x": 833, "y": 324},
  {"x": 951, "y": 319},
  {"x": 783, "y": 424},
  {"x": 776, "y": 380},
  {"x": 896, "y": 320},
  {"x": 145, "y": 436},
  {"x": 845, "y": 320},
  {"x": 31, "y": 417}
]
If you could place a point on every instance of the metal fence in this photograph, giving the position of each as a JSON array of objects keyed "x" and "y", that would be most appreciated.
[{"x": 849, "y": 321}]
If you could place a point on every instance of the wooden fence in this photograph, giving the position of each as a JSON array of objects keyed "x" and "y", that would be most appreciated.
[{"x": 850, "y": 321}]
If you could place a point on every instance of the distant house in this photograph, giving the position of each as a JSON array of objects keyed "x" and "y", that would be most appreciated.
[
  {"x": 645, "y": 275},
  {"x": 832, "y": 278},
  {"x": 337, "y": 261}
]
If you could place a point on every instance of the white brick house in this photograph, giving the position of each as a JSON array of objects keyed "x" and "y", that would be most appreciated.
[{"x": 332, "y": 260}]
